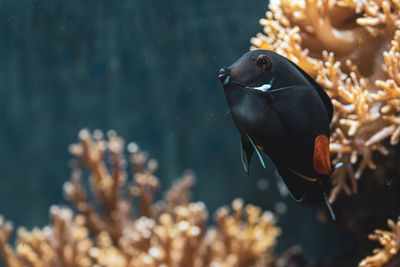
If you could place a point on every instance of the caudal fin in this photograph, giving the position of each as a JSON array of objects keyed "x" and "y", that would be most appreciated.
[{"x": 328, "y": 205}]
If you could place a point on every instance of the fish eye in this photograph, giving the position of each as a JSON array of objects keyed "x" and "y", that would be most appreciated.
[{"x": 264, "y": 62}]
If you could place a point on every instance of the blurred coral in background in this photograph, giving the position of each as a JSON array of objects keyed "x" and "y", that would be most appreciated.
[
  {"x": 352, "y": 49},
  {"x": 390, "y": 240},
  {"x": 119, "y": 223}
]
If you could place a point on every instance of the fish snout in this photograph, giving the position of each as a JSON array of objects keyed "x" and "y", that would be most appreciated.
[{"x": 224, "y": 75}]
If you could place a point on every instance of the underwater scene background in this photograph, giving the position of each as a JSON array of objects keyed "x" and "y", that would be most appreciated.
[{"x": 149, "y": 71}]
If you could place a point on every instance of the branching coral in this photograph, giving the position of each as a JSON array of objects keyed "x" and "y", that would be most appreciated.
[
  {"x": 390, "y": 240},
  {"x": 121, "y": 225},
  {"x": 352, "y": 49}
]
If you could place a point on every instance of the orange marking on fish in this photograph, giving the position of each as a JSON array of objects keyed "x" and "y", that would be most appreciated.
[
  {"x": 321, "y": 160},
  {"x": 260, "y": 148},
  {"x": 302, "y": 176}
]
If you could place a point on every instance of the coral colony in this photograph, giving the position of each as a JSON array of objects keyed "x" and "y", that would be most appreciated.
[
  {"x": 390, "y": 240},
  {"x": 123, "y": 225}
]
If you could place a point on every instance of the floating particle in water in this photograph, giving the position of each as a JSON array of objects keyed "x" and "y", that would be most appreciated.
[
  {"x": 281, "y": 186},
  {"x": 262, "y": 184},
  {"x": 281, "y": 207}
]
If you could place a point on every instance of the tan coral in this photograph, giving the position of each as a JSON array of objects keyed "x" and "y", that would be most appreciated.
[
  {"x": 64, "y": 243},
  {"x": 352, "y": 49},
  {"x": 390, "y": 240},
  {"x": 249, "y": 240},
  {"x": 122, "y": 226}
]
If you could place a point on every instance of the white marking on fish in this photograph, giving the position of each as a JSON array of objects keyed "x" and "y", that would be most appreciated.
[{"x": 264, "y": 87}]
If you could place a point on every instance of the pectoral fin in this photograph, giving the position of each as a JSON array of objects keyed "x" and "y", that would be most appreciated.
[
  {"x": 228, "y": 116},
  {"x": 227, "y": 120}
]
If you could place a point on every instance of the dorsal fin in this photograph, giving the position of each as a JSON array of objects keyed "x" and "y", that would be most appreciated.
[{"x": 323, "y": 95}]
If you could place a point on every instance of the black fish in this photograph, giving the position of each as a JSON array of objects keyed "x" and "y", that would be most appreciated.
[{"x": 280, "y": 110}]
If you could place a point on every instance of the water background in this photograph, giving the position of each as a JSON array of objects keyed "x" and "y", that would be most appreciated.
[{"x": 147, "y": 69}]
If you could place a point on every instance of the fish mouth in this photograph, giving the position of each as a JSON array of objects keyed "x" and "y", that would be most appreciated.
[
  {"x": 224, "y": 76},
  {"x": 225, "y": 79}
]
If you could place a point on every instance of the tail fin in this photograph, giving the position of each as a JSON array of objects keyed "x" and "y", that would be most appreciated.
[
  {"x": 324, "y": 185},
  {"x": 337, "y": 166},
  {"x": 328, "y": 205}
]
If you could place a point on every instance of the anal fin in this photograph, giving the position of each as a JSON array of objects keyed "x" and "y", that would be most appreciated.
[{"x": 297, "y": 186}]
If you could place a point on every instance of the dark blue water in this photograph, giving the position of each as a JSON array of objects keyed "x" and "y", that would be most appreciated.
[{"x": 147, "y": 69}]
